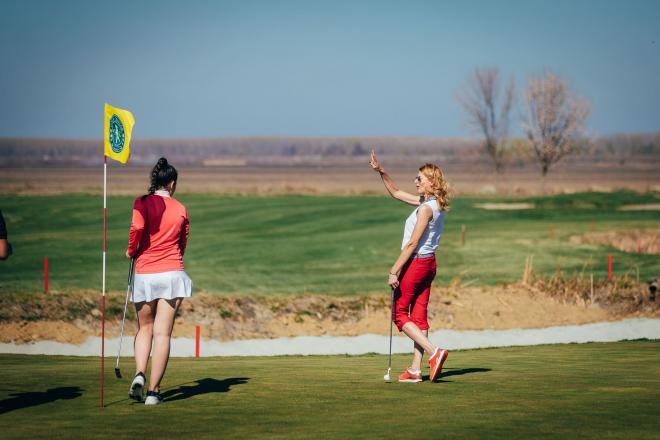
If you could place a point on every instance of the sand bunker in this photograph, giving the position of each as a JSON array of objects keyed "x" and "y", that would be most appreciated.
[
  {"x": 367, "y": 343},
  {"x": 504, "y": 206},
  {"x": 641, "y": 241}
]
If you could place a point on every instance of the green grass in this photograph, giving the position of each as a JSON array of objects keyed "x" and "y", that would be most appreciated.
[
  {"x": 303, "y": 244},
  {"x": 605, "y": 390}
]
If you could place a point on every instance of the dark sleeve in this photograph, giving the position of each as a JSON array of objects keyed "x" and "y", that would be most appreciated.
[
  {"x": 185, "y": 232},
  {"x": 3, "y": 228}
]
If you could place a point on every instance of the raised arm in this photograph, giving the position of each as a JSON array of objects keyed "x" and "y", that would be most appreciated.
[{"x": 391, "y": 187}]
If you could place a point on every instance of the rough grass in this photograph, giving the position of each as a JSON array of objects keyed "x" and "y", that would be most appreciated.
[
  {"x": 605, "y": 390},
  {"x": 306, "y": 244}
]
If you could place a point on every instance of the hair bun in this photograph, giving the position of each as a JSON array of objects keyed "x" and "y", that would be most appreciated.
[{"x": 161, "y": 175}]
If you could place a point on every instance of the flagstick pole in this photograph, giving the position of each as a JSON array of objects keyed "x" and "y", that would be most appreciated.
[{"x": 105, "y": 182}]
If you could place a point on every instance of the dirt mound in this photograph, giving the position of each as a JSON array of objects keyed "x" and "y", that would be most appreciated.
[
  {"x": 641, "y": 241},
  {"x": 73, "y": 317},
  {"x": 643, "y": 207},
  {"x": 28, "y": 331}
]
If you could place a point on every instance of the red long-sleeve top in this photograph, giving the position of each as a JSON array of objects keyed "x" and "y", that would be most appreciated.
[{"x": 159, "y": 229}]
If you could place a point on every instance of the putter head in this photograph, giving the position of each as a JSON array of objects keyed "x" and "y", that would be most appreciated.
[
  {"x": 387, "y": 378},
  {"x": 118, "y": 373}
]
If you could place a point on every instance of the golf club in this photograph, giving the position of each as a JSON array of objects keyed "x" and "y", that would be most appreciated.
[
  {"x": 387, "y": 378},
  {"x": 131, "y": 269}
]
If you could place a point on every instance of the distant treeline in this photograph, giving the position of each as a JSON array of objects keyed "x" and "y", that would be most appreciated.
[{"x": 618, "y": 149}]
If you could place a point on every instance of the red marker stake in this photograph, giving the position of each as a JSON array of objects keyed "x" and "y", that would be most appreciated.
[
  {"x": 197, "y": 333},
  {"x": 45, "y": 274},
  {"x": 609, "y": 267},
  {"x": 552, "y": 232}
]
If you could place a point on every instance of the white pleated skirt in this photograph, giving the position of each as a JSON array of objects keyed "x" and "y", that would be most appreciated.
[{"x": 166, "y": 285}]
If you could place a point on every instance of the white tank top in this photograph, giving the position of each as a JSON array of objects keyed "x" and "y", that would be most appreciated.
[{"x": 428, "y": 243}]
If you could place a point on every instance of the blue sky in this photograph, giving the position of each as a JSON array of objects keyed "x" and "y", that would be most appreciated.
[{"x": 312, "y": 68}]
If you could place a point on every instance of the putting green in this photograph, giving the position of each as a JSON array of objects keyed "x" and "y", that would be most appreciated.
[{"x": 605, "y": 390}]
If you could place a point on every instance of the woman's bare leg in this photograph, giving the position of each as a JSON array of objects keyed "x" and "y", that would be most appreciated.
[
  {"x": 162, "y": 331},
  {"x": 146, "y": 312},
  {"x": 413, "y": 332},
  {"x": 418, "y": 353}
]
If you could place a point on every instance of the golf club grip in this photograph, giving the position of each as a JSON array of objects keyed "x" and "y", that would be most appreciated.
[{"x": 131, "y": 270}]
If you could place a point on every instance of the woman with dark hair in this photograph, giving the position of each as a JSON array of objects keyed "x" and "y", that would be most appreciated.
[
  {"x": 413, "y": 271},
  {"x": 157, "y": 240}
]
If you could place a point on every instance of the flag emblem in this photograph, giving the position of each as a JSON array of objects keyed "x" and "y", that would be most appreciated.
[
  {"x": 116, "y": 134},
  {"x": 117, "y": 126}
]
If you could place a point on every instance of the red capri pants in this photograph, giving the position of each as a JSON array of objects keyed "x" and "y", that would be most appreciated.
[{"x": 411, "y": 298}]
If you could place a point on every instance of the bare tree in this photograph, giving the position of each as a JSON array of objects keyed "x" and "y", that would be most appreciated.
[
  {"x": 480, "y": 98},
  {"x": 554, "y": 119}
]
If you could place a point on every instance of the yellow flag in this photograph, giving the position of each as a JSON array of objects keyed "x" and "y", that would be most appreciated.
[{"x": 118, "y": 125}]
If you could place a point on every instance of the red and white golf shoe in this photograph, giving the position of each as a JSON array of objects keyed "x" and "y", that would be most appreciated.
[
  {"x": 435, "y": 363},
  {"x": 410, "y": 376}
]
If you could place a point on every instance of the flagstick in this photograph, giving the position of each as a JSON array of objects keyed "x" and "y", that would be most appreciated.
[{"x": 105, "y": 180}]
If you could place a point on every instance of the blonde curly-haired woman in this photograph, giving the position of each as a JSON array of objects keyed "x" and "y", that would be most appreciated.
[{"x": 413, "y": 272}]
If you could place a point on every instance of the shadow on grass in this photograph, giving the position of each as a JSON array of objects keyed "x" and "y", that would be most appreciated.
[
  {"x": 24, "y": 400},
  {"x": 203, "y": 386},
  {"x": 460, "y": 372},
  {"x": 456, "y": 372}
]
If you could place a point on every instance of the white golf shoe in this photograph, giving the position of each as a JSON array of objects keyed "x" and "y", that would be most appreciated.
[
  {"x": 153, "y": 398},
  {"x": 135, "y": 391}
]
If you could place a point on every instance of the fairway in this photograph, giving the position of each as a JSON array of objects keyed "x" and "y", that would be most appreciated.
[
  {"x": 608, "y": 390},
  {"x": 324, "y": 245}
]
